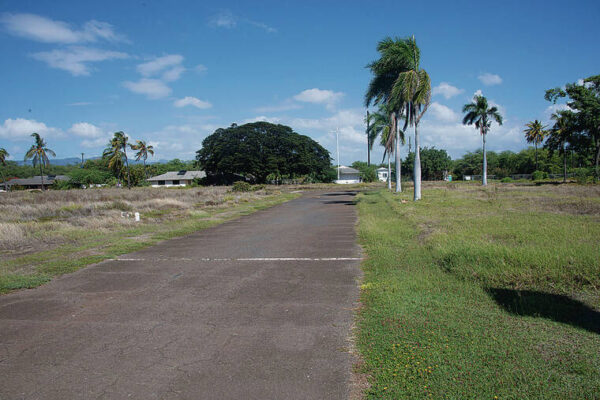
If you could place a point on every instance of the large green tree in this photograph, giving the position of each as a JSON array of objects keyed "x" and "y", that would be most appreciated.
[
  {"x": 560, "y": 134},
  {"x": 400, "y": 83},
  {"x": 38, "y": 153},
  {"x": 3, "y": 155},
  {"x": 257, "y": 150},
  {"x": 584, "y": 100},
  {"x": 535, "y": 133},
  {"x": 478, "y": 113}
]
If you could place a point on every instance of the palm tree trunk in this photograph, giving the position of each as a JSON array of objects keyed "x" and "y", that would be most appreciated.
[
  {"x": 42, "y": 175},
  {"x": 389, "y": 179},
  {"x": 4, "y": 181},
  {"x": 145, "y": 172},
  {"x": 484, "y": 179},
  {"x": 368, "y": 142},
  {"x": 127, "y": 164},
  {"x": 536, "y": 162},
  {"x": 398, "y": 162},
  {"x": 564, "y": 163},
  {"x": 417, "y": 167}
]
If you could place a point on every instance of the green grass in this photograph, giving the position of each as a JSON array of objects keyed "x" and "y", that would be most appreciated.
[
  {"x": 477, "y": 294},
  {"x": 91, "y": 247}
]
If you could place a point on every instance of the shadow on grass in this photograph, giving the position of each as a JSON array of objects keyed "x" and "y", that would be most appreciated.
[{"x": 550, "y": 306}]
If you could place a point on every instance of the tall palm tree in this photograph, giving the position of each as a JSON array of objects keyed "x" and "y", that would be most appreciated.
[
  {"x": 386, "y": 71},
  {"x": 413, "y": 91},
  {"x": 38, "y": 153},
  {"x": 559, "y": 135},
  {"x": 116, "y": 152},
  {"x": 3, "y": 155},
  {"x": 143, "y": 150},
  {"x": 478, "y": 113},
  {"x": 405, "y": 88},
  {"x": 535, "y": 133}
]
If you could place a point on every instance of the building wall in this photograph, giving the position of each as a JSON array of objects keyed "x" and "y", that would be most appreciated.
[
  {"x": 348, "y": 178},
  {"x": 182, "y": 183}
]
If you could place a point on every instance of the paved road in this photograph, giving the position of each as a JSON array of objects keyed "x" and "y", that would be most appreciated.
[{"x": 257, "y": 308}]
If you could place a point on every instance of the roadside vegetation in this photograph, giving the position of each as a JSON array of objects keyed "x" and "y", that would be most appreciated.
[
  {"x": 44, "y": 234},
  {"x": 481, "y": 292}
]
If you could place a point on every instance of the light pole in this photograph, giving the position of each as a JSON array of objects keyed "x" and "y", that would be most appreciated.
[{"x": 337, "y": 146}]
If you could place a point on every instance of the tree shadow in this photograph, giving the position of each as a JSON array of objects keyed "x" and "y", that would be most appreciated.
[
  {"x": 550, "y": 306},
  {"x": 347, "y": 193},
  {"x": 346, "y": 202}
]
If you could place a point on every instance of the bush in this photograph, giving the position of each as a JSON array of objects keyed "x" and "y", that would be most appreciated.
[
  {"x": 583, "y": 175},
  {"x": 62, "y": 185},
  {"x": 241, "y": 186},
  {"x": 539, "y": 175},
  {"x": 507, "y": 179}
]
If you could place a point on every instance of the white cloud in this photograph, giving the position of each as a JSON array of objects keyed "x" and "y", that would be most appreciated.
[
  {"x": 173, "y": 74},
  {"x": 447, "y": 90},
  {"x": 159, "y": 64},
  {"x": 317, "y": 96},
  {"x": 20, "y": 128},
  {"x": 76, "y": 59},
  {"x": 96, "y": 143},
  {"x": 151, "y": 88},
  {"x": 490, "y": 79},
  {"x": 87, "y": 130},
  {"x": 192, "y": 101},
  {"x": 42, "y": 29},
  {"x": 200, "y": 68},
  {"x": 224, "y": 19},
  {"x": 478, "y": 92},
  {"x": 443, "y": 113},
  {"x": 80, "y": 103},
  {"x": 261, "y": 118}
]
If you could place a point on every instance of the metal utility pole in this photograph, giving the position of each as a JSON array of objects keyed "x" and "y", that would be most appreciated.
[
  {"x": 82, "y": 160},
  {"x": 337, "y": 146},
  {"x": 409, "y": 145},
  {"x": 368, "y": 142}
]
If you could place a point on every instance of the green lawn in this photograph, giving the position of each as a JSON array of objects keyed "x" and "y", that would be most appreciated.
[{"x": 478, "y": 293}]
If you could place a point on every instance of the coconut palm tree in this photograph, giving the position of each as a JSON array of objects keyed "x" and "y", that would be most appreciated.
[
  {"x": 143, "y": 150},
  {"x": 3, "y": 155},
  {"x": 405, "y": 88},
  {"x": 38, "y": 153},
  {"x": 478, "y": 113},
  {"x": 116, "y": 152},
  {"x": 535, "y": 133},
  {"x": 386, "y": 71}
]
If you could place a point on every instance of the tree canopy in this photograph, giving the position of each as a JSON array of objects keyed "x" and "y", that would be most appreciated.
[{"x": 259, "y": 149}]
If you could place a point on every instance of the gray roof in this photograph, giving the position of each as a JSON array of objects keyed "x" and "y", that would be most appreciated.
[
  {"x": 348, "y": 170},
  {"x": 37, "y": 180},
  {"x": 178, "y": 175},
  {"x": 381, "y": 169}
]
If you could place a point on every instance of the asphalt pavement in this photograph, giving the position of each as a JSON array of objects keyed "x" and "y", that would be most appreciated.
[{"x": 256, "y": 308}]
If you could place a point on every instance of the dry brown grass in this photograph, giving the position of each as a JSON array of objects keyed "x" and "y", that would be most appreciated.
[{"x": 34, "y": 221}]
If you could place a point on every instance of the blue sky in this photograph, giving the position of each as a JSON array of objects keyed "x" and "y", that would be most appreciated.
[{"x": 171, "y": 73}]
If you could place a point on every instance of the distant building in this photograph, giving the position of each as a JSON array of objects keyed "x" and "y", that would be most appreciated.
[
  {"x": 382, "y": 174},
  {"x": 35, "y": 182},
  {"x": 176, "y": 178},
  {"x": 348, "y": 175}
]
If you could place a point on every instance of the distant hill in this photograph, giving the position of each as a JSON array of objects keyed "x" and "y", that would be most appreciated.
[{"x": 77, "y": 161}]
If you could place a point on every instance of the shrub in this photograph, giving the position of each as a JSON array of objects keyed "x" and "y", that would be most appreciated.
[
  {"x": 583, "y": 175},
  {"x": 507, "y": 179},
  {"x": 241, "y": 186},
  {"x": 539, "y": 175}
]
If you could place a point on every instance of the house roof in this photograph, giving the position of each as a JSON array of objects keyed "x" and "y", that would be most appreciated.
[
  {"x": 37, "y": 180},
  {"x": 178, "y": 175},
  {"x": 348, "y": 170},
  {"x": 381, "y": 169}
]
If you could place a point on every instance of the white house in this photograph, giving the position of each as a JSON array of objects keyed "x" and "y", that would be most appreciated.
[
  {"x": 348, "y": 175},
  {"x": 382, "y": 174},
  {"x": 174, "y": 178}
]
